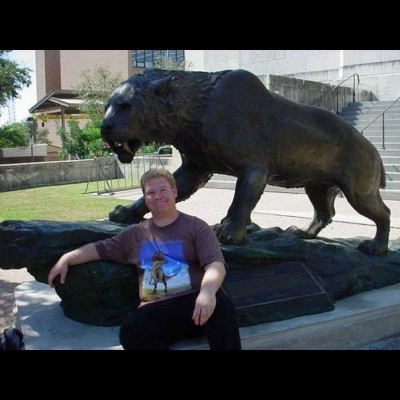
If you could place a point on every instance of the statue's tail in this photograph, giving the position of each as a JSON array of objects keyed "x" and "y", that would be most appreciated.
[{"x": 383, "y": 175}]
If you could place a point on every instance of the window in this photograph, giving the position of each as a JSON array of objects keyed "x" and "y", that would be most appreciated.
[{"x": 146, "y": 58}]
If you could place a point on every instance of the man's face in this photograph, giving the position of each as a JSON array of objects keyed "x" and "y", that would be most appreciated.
[{"x": 159, "y": 196}]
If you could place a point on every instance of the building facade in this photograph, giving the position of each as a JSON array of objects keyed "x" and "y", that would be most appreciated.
[
  {"x": 63, "y": 69},
  {"x": 60, "y": 71}
]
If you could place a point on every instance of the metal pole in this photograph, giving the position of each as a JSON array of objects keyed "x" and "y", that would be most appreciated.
[
  {"x": 383, "y": 131},
  {"x": 337, "y": 100},
  {"x": 62, "y": 117}
]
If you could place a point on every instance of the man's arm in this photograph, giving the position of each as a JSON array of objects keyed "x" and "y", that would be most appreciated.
[
  {"x": 205, "y": 303},
  {"x": 83, "y": 254}
]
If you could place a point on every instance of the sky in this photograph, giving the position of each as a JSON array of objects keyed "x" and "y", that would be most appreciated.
[{"x": 27, "y": 96}]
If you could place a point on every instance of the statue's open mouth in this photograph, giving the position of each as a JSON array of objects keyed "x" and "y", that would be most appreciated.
[
  {"x": 125, "y": 146},
  {"x": 125, "y": 150}
]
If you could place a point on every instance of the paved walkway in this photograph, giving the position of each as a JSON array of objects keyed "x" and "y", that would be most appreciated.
[
  {"x": 210, "y": 204},
  {"x": 283, "y": 210}
]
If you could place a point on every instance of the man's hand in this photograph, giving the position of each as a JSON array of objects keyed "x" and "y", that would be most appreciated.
[
  {"x": 206, "y": 301},
  {"x": 84, "y": 254},
  {"x": 205, "y": 305},
  {"x": 59, "y": 268}
]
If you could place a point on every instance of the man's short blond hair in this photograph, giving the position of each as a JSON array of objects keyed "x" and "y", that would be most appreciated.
[{"x": 157, "y": 173}]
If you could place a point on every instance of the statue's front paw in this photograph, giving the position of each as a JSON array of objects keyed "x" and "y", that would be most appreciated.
[
  {"x": 124, "y": 215},
  {"x": 230, "y": 233}
]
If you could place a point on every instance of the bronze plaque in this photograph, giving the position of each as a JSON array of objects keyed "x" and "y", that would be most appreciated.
[{"x": 275, "y": 292}]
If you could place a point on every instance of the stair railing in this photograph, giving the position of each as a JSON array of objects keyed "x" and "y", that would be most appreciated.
[
  {"x": 382, "y": 114},
  {"x": 354, "y": 77}
]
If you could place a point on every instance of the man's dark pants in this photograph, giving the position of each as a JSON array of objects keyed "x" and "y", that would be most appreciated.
[{"x": 156, "y": 325}]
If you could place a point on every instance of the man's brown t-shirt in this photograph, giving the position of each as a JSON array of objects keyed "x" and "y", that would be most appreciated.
[{"x": 170, "y": 259}]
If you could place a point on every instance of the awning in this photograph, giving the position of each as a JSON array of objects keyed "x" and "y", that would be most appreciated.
[{"x": 54, "y": 101}]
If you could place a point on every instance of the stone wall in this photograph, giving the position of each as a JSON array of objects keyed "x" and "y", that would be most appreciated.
[
  {"x": 315, "y": 93},
  {"x": 39, "y": 150},
  {"x": 28, "y": 175},
  {"x": 33, "y": 153}
]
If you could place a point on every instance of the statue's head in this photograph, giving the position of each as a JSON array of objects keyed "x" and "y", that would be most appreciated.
[
  {"x": 122, "y": 117},
  {"x": 131, "y": 115}
]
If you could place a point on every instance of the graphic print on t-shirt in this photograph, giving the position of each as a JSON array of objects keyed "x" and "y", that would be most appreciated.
[{"x": 166, "y": 273}]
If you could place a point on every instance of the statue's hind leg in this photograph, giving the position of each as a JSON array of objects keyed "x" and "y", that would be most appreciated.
[
  {"x": 372, "y": 206},
  {"x": 322, "y": 198}
]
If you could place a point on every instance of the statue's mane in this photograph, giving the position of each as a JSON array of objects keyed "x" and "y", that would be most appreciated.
[{"x": 187, "y": 96}]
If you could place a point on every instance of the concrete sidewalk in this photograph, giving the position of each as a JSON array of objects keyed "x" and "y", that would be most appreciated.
[{"x": 281, "y": 209}]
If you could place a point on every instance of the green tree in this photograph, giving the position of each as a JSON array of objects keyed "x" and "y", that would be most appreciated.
[
  {"x": 14, "y": 135},
  {"x": 12, "y": 78},
  {"x": 38, "y": 135},
  {"x": 41, "y": 136},
  {"x": 71, "y": 139},
  {"x": 95, "y": 88},
  {"x": 149, "y": 148},
  {"x": 80, "y": 142},
  {"x": 164, "y": 62},
  {"x": 92, "y": 140}
]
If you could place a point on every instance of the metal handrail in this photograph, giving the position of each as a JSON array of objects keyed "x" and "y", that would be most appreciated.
[
  {"x": 337, "y": 92},
  {"x": 382, "y": 114}
]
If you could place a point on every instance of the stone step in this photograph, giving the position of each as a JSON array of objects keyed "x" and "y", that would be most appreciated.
[
  {"x": 365, "y": 119},
  {"x": 389, "y": 194},
  {"x": 376, "y": 106},
  {"x": 377, "y": 129},
  {"x": 385, "y": 103},
  {"x": 392, "y": 176},
  {"x": 361, "y": 114},
  {"x": 369, "y": 116},
  {"x": 395, "y": 167},
  {"x": 389, "y": 152},
  {"x": 390, "y": 142},
  {"x": 377, "y": 126},
  {"x": 389, "y": 159},
  {"x": 379, "y": 137},
  {"x": 392, "y": 185},
  {"x": 388, "y": 146},
  {"x": 377, "y": 133},
  {"x": 383, "y": 143}
]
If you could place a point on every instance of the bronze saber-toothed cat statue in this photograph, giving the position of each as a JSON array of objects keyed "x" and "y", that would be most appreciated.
[{"x": 228, "y": 122}]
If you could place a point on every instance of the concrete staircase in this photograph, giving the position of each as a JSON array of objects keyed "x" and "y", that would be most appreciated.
[{"x": 360, "y": 114}]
